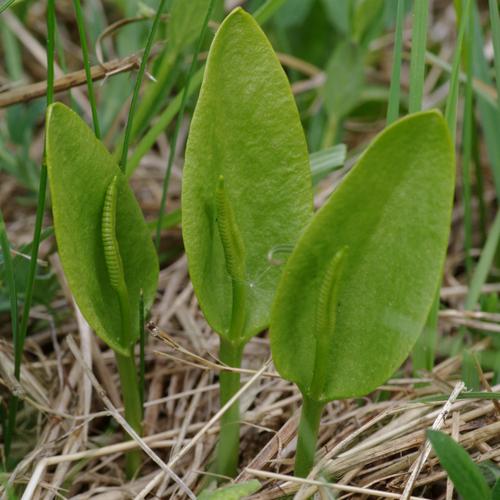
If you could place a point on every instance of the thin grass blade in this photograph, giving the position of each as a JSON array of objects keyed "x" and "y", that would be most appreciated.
[
  {"x": 395, "y": 89},
  {"x": 137, "y": 87},
  {"x": 417, "y": 62},
  {"x": 80, "y": 21},
  {"x": 11, "y": 289}
]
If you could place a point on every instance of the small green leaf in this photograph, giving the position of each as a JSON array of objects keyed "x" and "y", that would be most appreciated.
[
  {"x": 393, "y": 212},
  {"x": 344, "y": 79},
  {"x": 463, "y": 472},
  {"x": 233, "y": 492},
  {"x": 245, "y": 128},
  {"x": 80, "y": 173}
]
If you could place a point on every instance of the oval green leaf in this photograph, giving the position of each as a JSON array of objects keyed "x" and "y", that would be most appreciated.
[
  {"x": 245, "y": 128},
  {"x": 80, "y": 170},
  {"x": 393, "y": 212}
]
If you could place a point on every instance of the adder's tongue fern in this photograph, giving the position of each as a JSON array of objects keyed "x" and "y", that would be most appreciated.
[{"x": 232, "y": 242}]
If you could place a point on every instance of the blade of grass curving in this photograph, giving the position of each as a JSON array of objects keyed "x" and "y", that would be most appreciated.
[
  {"x": 5, "y": 5},
  {"x": 80, "y": 21},
  {"x": 452, "y": 99},
  {"x": 19, "y": 345},
  {"x": 137, "y": 87},
  {"x": 395, "y": 88},
  {"x": 11, "y": 288},
  {"x": 417, "y": 60},
  {"x": 484, "y": 265},
  {"x": 467, "y": 150},
  {"x": 173, "y": 142}
]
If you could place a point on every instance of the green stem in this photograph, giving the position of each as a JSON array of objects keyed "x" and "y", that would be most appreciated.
[
  {"x": 229, "y": 440},
  {"x": 307, "y": 436},
  {"x": 132, "y": 404}
]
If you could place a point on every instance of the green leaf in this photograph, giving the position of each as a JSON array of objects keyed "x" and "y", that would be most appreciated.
[
  {"x": 339, "y": 14},
  {"x": 233, "y": 492},
  {"x": 393, "y": 212},
  {"x": 463, "y": 472},
  {"x": 344, "y": 79},
  {"x": 246, "y": 128},
  {"x": 80, "y": 172},
  {"x": 293, "y": 13},
  {"x": 367, "y": 15},
  {"x": 186, "y": 22}
]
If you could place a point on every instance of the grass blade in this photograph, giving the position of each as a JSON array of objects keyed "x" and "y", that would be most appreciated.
[
  {"x": 489, "y": 116},
  {"x": 452, "y": 99},
  {"x": 137, "y": 87},
  {"x": 11, "y": 288},
  {"x": 326, "y": 161},
  {"x": 495, "y": 30},
  {"x": 173, "y": 143},
  {"x": 464, "y": 473},
  {"x": 395, "y": 89},
  {"x": 19, "y": 345},
  {"x": 80, "y": 21},
  {"x": 467, "y": 150},
  {"x": 484, "y": 265},
  {"x": 417, "y": 62},
  {"x": 5, "y": 5}
]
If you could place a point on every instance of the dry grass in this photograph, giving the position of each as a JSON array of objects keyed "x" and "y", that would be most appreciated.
[
  {"x": 72, "y": 434},
  {"x": 367, "y": 449}
]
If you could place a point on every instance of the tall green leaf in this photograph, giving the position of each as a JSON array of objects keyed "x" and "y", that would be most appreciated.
[
  {"x": 380, "y": 242},
  {"x": 80, "y": 172},
  {"x": 187, "y": 20},
  {"x": 245, "y": 128},
  {"x": 463, "y": 472},
  {"x": 344, "y": 79}
]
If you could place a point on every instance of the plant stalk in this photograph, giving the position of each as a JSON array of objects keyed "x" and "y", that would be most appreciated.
[
  {"x": 132, "y": 404},
  {"x": 307, "y": 435},
  {"x": 229, "y": 439}
]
